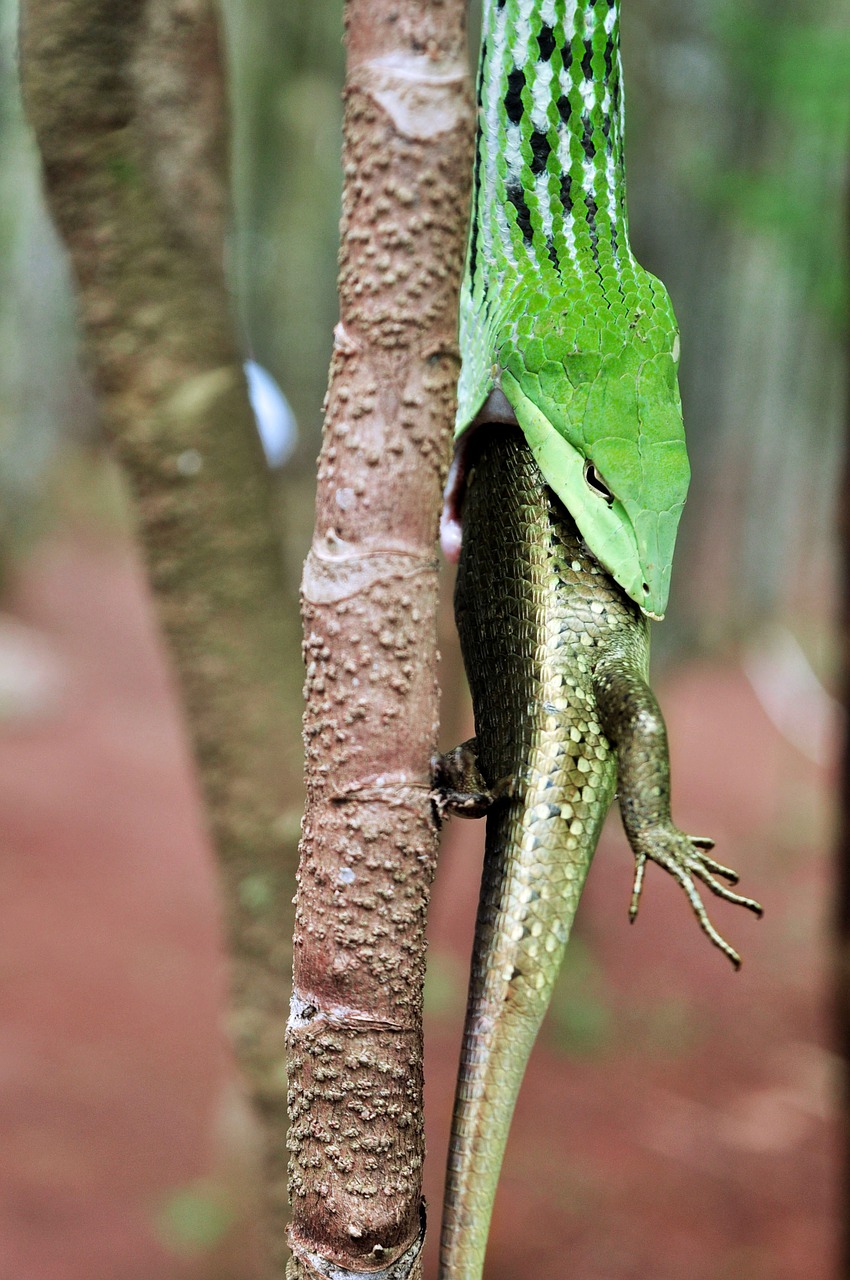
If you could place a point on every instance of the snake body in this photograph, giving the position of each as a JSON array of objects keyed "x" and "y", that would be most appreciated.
[{"x": 556, "y": 313}]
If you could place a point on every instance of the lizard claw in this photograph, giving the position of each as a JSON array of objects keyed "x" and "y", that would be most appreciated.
[
  {"x": 637, "y": 887},
  {"x": 706, "y": 843},
  {"x": 684, "y": 858}
]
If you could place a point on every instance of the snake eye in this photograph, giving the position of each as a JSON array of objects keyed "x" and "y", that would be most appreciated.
[{"x": 596, "y": 483}]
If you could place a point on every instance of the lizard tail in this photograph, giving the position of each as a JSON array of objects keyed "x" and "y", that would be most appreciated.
[
  {"x": 497, "y": 1039},
  {"x": 508, "y": 998}
]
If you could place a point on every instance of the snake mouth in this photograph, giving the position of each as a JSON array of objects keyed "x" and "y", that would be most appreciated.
[
  {"x": 495, "y": 411},
  {"x": 496, "y": 408},
  {"x": 612, "y": 529},
  {"x": 647, "y": 613}
]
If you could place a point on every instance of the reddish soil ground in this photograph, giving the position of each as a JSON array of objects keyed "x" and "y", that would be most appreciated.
[
  {"x": 676, "y": 1120},
  {"x": 117, "y": 1104}
]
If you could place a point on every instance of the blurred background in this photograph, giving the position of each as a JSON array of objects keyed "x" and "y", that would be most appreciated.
[{"x": 677, "y": 1120}]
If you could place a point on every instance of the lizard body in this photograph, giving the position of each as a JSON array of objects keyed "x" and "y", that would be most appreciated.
[{"x": 557, "y": 657}]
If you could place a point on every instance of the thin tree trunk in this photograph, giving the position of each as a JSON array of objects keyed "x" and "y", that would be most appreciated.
[
  {"x": 842, "y": 968},
  {"x": 369, "y": 611},
  {"x": 841, "y": 991},
  {"x": 127, "y": 101},
  {"x": 842, "y": 913}
]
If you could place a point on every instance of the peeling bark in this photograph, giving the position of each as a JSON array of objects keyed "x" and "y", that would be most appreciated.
[
  {"x": 127, "y": 101},
  {"x": 369, "y": 612}
]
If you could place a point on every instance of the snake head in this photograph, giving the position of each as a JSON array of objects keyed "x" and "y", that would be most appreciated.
[{"x": 606, "y": 431}]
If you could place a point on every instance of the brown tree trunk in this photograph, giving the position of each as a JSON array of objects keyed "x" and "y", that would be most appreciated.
[
  {"x": 842, "y": 909},
  {"x": 127, "y": 101},
  {"x": 842, "y": 966},
  {"x": 369, "y": 611}
]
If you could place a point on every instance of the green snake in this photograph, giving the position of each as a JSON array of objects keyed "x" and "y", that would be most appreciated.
[{"x": 563, "y": 503}]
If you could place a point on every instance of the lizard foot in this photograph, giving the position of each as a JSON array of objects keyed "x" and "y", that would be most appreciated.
[
  {"x": 458, "y": 784},
  {"x": 460, "y": 788},
  {"x": 686, "y": 858}
]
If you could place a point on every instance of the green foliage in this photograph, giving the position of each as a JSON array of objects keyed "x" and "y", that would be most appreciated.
[
  {"x": 257, "y": 892},
  {"x": 586, "y": 1018},
  {"x": 797, "y": 74},
  {"x": 194, "y": 1219},
  {"x": 581, "y": 1019},
  {"x": 445, "y": 986}
]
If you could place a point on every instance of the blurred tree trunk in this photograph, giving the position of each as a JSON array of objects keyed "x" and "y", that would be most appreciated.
[
  {"x": 842, "y": 968},
  {"x": 128, "y": 104},
  {"x": 369, "y": 610}
]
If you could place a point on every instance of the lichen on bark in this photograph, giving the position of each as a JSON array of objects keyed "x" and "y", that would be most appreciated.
[{"x": 369, "y": 611}]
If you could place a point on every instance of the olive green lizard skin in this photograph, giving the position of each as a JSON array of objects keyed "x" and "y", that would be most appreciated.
[{"x": 557, "y": 659}]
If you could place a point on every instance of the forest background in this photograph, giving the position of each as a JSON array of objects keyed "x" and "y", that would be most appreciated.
[{"x": 738, "y": 133}]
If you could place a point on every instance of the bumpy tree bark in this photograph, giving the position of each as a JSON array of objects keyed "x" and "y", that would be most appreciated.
[
  {"x": 369, "y": 610},
  {"x": 128, "y": 106}
]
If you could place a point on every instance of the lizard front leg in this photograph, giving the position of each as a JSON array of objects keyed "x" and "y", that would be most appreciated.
[
  {"x": 459, "y": 787},
  {"x": 633, "y": 723}
]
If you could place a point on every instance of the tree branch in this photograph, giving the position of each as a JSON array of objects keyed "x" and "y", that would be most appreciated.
[{"x": 369, "y": 612}]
